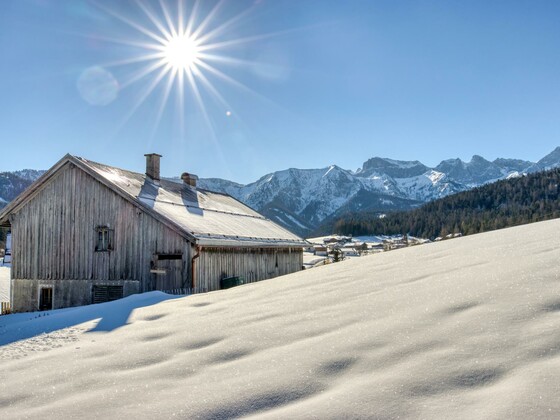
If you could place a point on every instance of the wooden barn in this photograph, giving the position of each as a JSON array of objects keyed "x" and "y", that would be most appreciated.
[{"x": 86, "y": 232}]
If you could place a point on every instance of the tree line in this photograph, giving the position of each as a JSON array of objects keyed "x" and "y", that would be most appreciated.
[{"x": 505, "y": 203}]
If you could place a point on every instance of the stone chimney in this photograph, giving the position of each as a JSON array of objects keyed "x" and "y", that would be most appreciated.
[
  {"x": 189, "y": 179},
  {"x": 152, "y": 166}
]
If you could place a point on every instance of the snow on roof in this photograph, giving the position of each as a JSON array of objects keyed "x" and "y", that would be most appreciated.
[{"x": 212, "y": 218}]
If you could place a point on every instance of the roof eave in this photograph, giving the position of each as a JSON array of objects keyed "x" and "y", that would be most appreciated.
[
  {"x": 248, "y": 242},
  {"x": 43, "y": 179},
  {"x": 30, "y": 191}
]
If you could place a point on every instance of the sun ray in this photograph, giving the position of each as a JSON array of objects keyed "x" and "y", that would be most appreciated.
[
  {"x": 153, "y": 18},
  {"x": 142, "y": 73},
  {"x": 210, "y": 87},
  {"x": 132, "y": 60},
  {"x": 227, "y": 60},
  {"x": 168, "y": 19},
  {"x": 229, "y": 79},
  {"x": 207, "y": 20},
  {"x": 121, "y": 41},
  {"x": 198, "y": 97},
  {"x": 140, "y": 100},
  {"x": 192, "y": 18},
  {"x": 186, "y": 48},
  {"x": 131, "y": 23},
  {"x": 181, "y": 99},
  {"x": 180, "y": 25},
  {"x": 241, "y": 41},
  {"x": 204, "y": 111},
  {"x": 211, "y": 34},
  {"x": 163, "y": 102}
]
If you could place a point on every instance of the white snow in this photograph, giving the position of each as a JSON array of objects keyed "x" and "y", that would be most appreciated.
[
  {"x": 4, "y": 284},
  {"x": 330, "y": 168},
  {"x": 435, "y": 176},
  {"x": 514, "y": 174},
  {"x": 311, "y": 260},
  {"x": 468, "y": 328},
  {"x": 293, "y": 219}
]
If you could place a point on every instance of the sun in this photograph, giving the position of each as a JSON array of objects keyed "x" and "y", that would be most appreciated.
[{"x": 181, "y": 52}]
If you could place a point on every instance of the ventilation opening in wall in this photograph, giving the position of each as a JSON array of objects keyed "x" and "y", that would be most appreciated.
[{"x": 106, "y": 293}]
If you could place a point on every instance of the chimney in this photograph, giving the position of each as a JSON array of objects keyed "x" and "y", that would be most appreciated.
[
  {"x": 189, "y": 179},
  {"x": 152, "y": 166}
]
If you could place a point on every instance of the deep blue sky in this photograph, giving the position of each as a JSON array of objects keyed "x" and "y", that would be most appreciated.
[{"x": 326, "y": 81}]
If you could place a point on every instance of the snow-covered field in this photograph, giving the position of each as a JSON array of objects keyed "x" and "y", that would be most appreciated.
[{"x": 461, "y": 329}]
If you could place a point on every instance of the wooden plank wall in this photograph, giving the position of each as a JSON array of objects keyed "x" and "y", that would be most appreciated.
[
  {"x": 54, "y": 235},
  {"x": 253, "y": 264}
]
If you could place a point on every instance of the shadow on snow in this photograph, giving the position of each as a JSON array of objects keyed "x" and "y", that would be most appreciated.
[{"x": 111, "y": 315}]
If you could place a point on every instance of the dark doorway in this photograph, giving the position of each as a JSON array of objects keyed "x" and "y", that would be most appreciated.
[{"x": 45, "y": 299}]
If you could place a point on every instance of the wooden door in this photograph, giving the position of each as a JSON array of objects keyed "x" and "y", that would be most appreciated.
[
  {"x": 45, "y": 299},
  {"x": 169, "y": 272}
]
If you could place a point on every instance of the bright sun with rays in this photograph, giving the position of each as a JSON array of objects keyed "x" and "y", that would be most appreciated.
[
  {"x": 183, "y": 49},
  {"x": 181, "y": 52}
]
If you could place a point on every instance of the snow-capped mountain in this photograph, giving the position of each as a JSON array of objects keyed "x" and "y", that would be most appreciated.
[
  {"x": 302, "y": 199},
  {"x": 13, "y": 183},
  {"x": 548, "y": 162}
]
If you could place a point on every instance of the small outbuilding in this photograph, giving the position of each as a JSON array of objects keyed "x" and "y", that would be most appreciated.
[{"x": 86, "y": 233}]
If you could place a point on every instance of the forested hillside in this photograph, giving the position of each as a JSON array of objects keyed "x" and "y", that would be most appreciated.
[{"x": 505, "y": 203}]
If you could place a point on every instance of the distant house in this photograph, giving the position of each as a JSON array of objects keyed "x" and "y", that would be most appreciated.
[
  {"x": 350, "y": 251},
  {"x": 376, "y": 246},
  {"x": 321, "y": 250},
  {"x": 86, "y": 232}
]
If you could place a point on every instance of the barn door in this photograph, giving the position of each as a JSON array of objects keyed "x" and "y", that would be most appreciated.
[
  {"x": 45, "y": 299},
  {"x": 169, "y": 272}
]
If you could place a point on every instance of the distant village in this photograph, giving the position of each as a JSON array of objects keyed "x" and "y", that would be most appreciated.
[{"x": 328, "y": 249}]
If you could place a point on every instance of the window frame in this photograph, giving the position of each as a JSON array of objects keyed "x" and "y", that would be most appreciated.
[{"x": 104, "y": 239}]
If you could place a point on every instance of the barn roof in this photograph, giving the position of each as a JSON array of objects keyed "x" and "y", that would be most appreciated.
[{"x": 205, "y": 217}]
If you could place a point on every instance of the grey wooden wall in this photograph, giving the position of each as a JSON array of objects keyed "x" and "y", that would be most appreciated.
[
  {"x": 54, "y": 238},
  {"x": 253, "y": 264},
  {"x": 54, "y": 235}
]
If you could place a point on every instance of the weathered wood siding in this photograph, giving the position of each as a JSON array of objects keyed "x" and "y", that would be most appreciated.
[
  {"x": 254, "y": 264},
  {"x": 54, "y": 235}
]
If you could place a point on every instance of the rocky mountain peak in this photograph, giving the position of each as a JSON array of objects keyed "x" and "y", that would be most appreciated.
[
  {"x": 302, "y": 199},
  {"x": 392, "y": 168},
  {"x": 549, "y": 161}
]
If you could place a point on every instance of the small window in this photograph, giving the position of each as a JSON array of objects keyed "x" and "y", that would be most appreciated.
[{"x": 104, "y": 239}]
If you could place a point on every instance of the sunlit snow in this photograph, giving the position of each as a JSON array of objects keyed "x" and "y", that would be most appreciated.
[{"x": 466, "y": 328}]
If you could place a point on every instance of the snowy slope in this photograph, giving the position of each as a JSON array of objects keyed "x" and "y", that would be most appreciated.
[{"x": 466, "y": 328}]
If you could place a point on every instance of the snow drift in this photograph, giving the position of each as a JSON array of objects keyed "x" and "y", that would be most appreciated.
[{"x": 466, "y": 328}]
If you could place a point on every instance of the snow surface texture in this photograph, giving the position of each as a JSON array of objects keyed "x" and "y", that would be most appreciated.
[
  {"x": 466, "y": 328},
  {"x": 4, "y": 284}
]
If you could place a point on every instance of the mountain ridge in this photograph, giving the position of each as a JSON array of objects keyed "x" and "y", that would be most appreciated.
[
  {"x": 312, "y": 196},
  {"x": 303, "y": 199}
]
